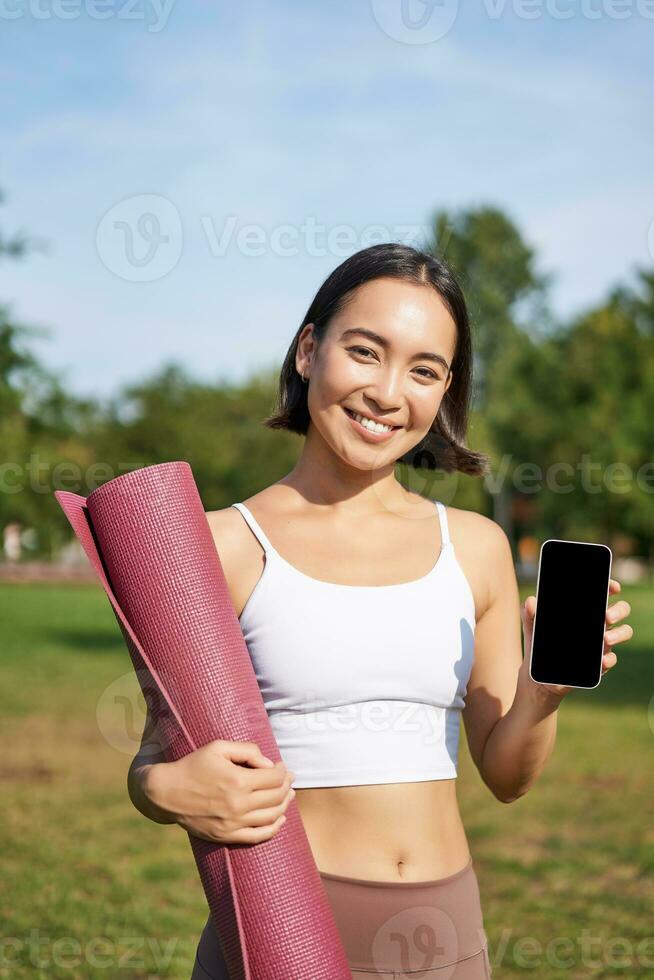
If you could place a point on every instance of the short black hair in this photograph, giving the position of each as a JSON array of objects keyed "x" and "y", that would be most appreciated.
[{"x": 444, "y": 445}]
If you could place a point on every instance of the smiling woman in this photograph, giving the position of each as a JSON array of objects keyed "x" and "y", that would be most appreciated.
[
  {"x": 373, "y": 427},
  {"x": 360, "y": 603},
  {"x": 416, "y": 297},
  {"x": 361, "y": 625}
]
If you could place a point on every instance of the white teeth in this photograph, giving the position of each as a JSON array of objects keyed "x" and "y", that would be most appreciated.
[{"x": 369, "y": 424}]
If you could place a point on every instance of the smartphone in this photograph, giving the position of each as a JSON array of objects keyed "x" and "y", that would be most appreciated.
[{"x": 572, "y": 594}]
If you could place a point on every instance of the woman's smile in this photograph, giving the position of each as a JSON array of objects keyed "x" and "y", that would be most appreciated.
[{"x": 373, "y": 433}]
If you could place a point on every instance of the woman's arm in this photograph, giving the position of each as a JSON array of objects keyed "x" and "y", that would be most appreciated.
[
  {"x": 224, "y": 792},
  {"x": 510, "y": 719},
  {"x": 521, "y": 743},
  {"x": 141, "y": 793},
  {"x": 143, "y": 773},
  {"x": 511, "y": 725},
  {"x": 510, "y": 738}
]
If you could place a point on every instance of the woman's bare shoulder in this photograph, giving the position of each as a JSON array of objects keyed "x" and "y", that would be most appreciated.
[
  {"x": 479, "y": 543},
  {"x": 229, "y": 531},
  {"x": 239, "y": 552},
  {"x": 469, "y": 522},
  {"x": 224, "y": 519},
  {"x": 227, "y": 524}
]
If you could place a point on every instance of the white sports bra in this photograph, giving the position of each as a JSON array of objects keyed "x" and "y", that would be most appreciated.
[{"x": 362, "y": 684}]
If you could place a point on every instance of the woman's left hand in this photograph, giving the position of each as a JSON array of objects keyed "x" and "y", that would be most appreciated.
[{"x": 614, "y": 614}]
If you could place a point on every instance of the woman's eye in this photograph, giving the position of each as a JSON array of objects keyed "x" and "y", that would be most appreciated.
[{"x": 366, "y": 350}]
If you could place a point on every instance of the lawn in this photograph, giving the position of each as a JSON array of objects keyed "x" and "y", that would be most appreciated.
[{"x": 91, "y": 889}]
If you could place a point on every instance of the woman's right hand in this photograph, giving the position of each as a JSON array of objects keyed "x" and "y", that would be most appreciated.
[{"x": 224, "y": 792}]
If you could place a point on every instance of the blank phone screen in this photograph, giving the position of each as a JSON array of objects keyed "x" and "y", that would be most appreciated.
[{"x": 571, "y": 602}]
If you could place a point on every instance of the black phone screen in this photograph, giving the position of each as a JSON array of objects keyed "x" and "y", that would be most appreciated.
[{"x": 571, "y": 601}]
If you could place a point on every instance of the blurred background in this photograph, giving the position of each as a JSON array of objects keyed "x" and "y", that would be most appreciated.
[{"x": 177, "y": 181}]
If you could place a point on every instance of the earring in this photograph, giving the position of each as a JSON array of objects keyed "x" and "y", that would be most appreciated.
[{"x": 306, "y": 380}]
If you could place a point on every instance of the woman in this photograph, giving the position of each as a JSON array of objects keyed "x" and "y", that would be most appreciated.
[{"x": 374, "y": 620}]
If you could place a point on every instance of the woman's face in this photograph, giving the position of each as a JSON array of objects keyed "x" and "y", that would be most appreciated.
[{"x": 397, "y": 372}]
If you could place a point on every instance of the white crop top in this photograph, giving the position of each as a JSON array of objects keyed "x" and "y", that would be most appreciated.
[{"x": 362, "y": 684}]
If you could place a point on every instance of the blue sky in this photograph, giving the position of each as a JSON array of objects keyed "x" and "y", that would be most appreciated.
[{"x": 153, "y": 131}]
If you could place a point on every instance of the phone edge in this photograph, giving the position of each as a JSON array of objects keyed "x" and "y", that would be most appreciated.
[{"x": 594, "y": 544}]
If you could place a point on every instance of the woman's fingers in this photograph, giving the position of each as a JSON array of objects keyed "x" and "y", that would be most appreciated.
[
  {"x": 260, "y": 818},
  {"x": 256, "y": 835},
  {"x": 618, "y": 611},
  {"x": 618, "y": 635},
  {"x": 262, "y": 799}
]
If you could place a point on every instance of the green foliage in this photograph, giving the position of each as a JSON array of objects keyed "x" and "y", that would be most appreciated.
[
  {"x": 549, "y": 398},
  {"x": 217, "y": 428},
  {"x": 497, "y": 270},
  {"x": 574, "y": 408}
]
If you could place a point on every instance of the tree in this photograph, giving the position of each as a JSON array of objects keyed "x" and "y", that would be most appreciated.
[
  {"x": 40, "y": 425},
  {"x": 503, "y": 289},
  {"x": 507, "y": 301},
  {"x": 215, "y": 427},
  {"x": 576, "y": 406}
]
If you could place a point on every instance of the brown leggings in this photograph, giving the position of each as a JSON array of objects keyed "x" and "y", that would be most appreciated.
[
  {"x": 421, "y": 930},
  {"x": 418, "y": 930}
]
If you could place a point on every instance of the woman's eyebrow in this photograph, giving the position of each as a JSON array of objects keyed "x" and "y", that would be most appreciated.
[{"x": 378, "y": 339}]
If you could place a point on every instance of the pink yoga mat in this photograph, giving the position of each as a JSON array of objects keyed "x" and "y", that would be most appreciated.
[{"x": 147, "y": 535}]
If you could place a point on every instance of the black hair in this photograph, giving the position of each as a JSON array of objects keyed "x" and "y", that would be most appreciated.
[{"x": 443, "y": 447}]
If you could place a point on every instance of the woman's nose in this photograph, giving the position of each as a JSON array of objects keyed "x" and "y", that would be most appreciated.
[{"x": 387, "y": 392}]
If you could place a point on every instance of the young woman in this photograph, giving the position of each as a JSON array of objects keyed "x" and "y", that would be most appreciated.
[{"x": 375, "y": 618}]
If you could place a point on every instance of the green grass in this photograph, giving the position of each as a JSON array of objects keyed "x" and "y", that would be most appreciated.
[{"x": 105, "y": 893}]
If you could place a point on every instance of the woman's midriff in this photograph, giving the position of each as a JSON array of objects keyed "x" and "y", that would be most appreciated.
[{"x": 386, "y": 832}]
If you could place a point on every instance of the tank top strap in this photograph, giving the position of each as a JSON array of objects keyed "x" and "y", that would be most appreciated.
[
  {"x": 445, "y": 531},
  {"x": 256, "y": 528}
]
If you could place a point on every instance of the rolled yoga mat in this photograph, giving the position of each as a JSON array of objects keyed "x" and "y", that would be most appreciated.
[{"x": 148, "y": 538}]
